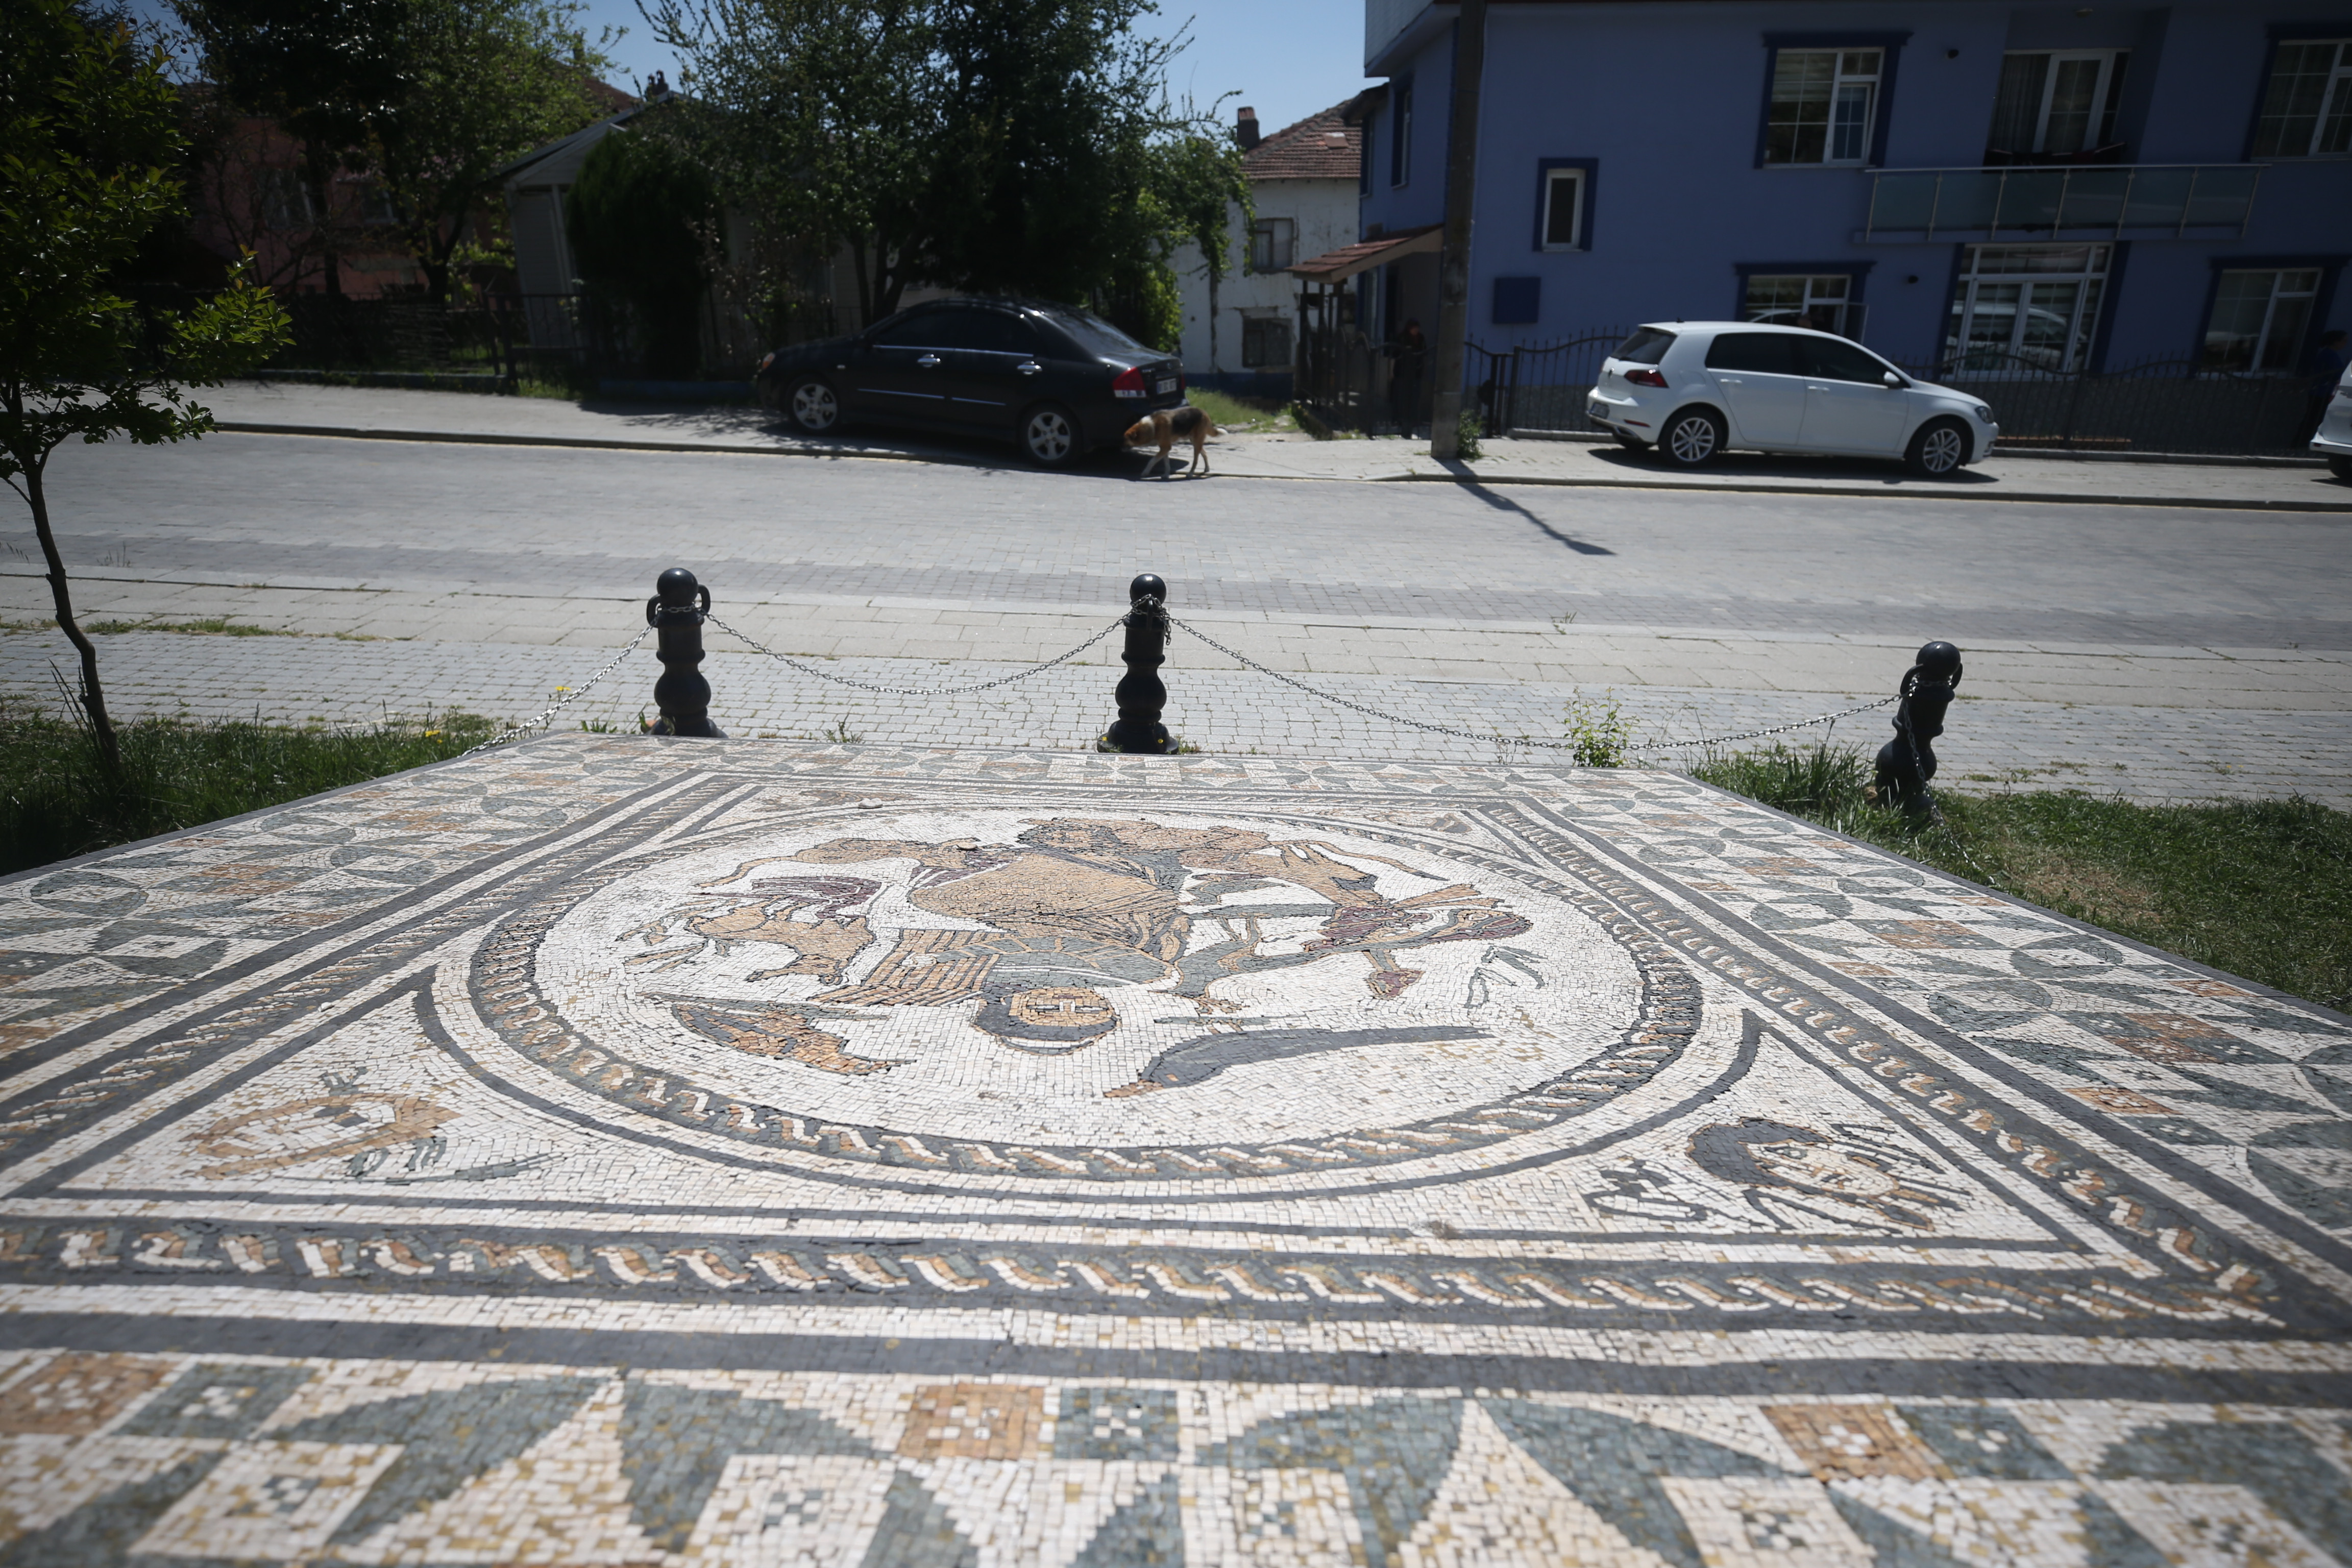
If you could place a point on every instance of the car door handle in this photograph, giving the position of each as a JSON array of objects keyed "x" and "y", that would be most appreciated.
[
  {"x": 1029, "y": 367},
  {"x": 929, "y": 362},
  {"x": 1730, "y": 381}
]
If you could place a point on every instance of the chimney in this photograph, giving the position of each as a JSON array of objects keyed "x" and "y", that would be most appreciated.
[{"x": 1245, "y": 128}]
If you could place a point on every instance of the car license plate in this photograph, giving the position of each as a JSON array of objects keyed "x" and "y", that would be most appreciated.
[{"x": 1163, "y": 388}]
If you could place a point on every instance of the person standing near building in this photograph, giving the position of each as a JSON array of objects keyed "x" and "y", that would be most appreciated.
[
  {"x": 2327, "y": 368},
  {"x": 1408, "y": 353}
]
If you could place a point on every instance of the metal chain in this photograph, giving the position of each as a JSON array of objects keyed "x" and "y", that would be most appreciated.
[
  {"x": 917, "y": 690},
  {"x": 571, "y": 695},
  {"x": 1498, "y": 736},
  {"x": 1775, "y": 729}
]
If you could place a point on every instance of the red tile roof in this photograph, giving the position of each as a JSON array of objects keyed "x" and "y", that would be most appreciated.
[{"x": 1319, "y": 147}]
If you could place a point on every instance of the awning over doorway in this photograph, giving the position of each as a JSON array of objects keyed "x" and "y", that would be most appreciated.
[{"x": 1338, "y": 266}]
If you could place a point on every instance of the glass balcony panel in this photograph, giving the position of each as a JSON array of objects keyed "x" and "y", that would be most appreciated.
[
  {"x": 1969, "y": 198},
  {"x": 2029, "y": 199},
  {"x": 2094, "y": 198},
  {"x": 2224, "y": 195},
  {"x": 1901, "y": 201},
  {"x": 2156, "y": 195}
]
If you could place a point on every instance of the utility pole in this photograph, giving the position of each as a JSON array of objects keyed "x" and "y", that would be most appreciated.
[{"x": 1453, "y": 262}]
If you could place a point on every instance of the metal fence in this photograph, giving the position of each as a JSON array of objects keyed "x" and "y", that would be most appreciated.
[
  {"x": 2155, "y": 405},
  {"x": 554, "y": 337}
]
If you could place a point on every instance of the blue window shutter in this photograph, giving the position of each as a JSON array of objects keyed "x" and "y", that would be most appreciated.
[{"x": 1519, "y": 302}]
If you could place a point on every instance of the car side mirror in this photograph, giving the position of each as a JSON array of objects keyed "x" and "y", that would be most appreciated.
[{"x": 1894, "y": 381}]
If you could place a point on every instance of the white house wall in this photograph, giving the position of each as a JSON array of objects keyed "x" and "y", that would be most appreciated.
[{"x": 1325, "y": 214}]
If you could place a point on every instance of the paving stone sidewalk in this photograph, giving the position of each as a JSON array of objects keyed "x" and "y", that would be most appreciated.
[
  {"x": 394, "y": 412},
  {"x": 678, "y": 1155},
  {"x": 2139, "y": 752}
]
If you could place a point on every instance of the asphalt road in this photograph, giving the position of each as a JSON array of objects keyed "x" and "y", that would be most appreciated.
[{"x": 293, "y": 511}]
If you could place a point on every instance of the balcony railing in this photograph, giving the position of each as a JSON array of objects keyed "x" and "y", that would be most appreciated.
[{"x": 2088, "y": 201}]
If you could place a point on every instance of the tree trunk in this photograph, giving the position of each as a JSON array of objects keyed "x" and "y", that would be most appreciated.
[
  {"x": 1461, "y": 201},
  {"x": 93, "y": 695}
]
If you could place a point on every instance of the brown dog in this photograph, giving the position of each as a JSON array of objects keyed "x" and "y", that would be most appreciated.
[{"x": 1165, "y": 426}]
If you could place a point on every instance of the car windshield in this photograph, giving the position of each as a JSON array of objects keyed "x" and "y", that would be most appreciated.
[
  {"x": 1647, "y": 346},
  {"x": 1098, "y": 336}
]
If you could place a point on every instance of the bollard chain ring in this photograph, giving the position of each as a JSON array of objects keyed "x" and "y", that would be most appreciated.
[
  {"x": 570, "y": 697},
  {"x": 918, "y": 690},
  {"x": 1249, "y": 663}
]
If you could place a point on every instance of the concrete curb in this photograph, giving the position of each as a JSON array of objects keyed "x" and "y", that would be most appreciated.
[{"x": 736, "y": 448}]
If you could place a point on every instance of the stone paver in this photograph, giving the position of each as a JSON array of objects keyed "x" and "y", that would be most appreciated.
[
  {"x": 2146, "y": 753},
  {"x": 621, "y": 1151}
]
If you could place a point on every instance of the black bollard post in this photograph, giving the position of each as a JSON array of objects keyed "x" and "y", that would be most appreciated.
[
  {"x": 676, "y": 611},
  {"x": 1908, "y": 762},
  {"x": 1142, "y": 694}
]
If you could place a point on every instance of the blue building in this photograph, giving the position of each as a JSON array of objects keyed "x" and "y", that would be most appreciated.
[{"x": 1979, "y": 182}]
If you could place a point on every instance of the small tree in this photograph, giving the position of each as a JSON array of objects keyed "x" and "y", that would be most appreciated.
[
  {"x": 89, "y": 139},
  {"x": 632, "y": 217}
]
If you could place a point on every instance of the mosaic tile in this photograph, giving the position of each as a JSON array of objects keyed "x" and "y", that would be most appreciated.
[{"x": 624, "y": 1151}]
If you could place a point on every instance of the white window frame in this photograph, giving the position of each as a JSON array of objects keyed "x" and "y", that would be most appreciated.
[
  {"x": 1840, "y": 78},
  {"x": 1840, "y": 305},
  {"x": 1280, "y": 235},
  {"x": 2083, "y": 325},
  {"x": 2293, "y": 357},
  {"x": 2335, "y": 99},
  {"x": 283, "y": 198},
  {"x": 1573, "y": 179},
  {"x": 2102, "y": 88}
]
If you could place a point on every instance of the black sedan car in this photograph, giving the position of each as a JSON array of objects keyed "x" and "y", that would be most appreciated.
[{"x": 1055, "y": 380}]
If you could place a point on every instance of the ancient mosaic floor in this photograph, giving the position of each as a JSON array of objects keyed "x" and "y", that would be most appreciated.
[{"x": 624, "y": 1151}]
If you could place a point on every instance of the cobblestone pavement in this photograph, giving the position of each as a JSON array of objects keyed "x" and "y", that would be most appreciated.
[
  {"x": 624, "y": 1151},
  {"x": 2141, "y": 752}
]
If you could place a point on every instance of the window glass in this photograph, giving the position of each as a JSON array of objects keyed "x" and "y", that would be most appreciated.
[
  {"x": 2307, "y": 107},
  {"x": 1265, "y": 342},
  {"x": 994, "y": 332},
  {"x": 2259, "y": 319},
  {"x": 2052, "y": 106},
  {"x": 1564, "y": 209},
  {"x": 918, "y": 329},
  {"x": 1834, "y": 360},
  {"x": 1647, "y": 346},
  {"x": 1401, "y": 131},
  {"x": 2026, "y": 308},
  {"x": 1271, "y": 244},
  {"x": 1096, "y": 336},
  {"x": 1763, "y": 353},
  {"x": 1820, "y": 301},
  {"x": 1823, "y": 101}
]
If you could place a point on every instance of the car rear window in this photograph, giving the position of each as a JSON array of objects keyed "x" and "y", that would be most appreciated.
[
  {"x": 1765, "y": 353},
  {"x": 1098, "y": 336},
  {"x": 1647, "y": 346}
]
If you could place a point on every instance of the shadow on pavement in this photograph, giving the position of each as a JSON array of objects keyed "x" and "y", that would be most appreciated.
[
  {"x": 1783, "y": 466},
  {"x": 1469, "y": 482}
]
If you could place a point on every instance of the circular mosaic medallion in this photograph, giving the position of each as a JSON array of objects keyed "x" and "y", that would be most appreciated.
[{"x": 1160, "y": 997}]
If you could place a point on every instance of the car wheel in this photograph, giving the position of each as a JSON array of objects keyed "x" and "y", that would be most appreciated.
[
  {"x": 1939, "y": 448},
  {"x": 1630, "y": 443},
  {"x": 1691, "y": 438},
  {"x": 1049, "y": 435},
  {"x": 2340, "y": 466},
  {"x": 813, "y": 406}
]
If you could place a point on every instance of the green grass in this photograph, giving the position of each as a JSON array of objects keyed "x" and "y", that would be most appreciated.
[
  {"x": 2262, "y": 889},
  {"x": 1242, "y": 416},
  {"x": 57, "y": 800}
]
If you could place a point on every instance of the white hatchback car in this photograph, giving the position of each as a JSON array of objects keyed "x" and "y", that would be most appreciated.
[
  {"x": 2333, "y": 439},
  {"x": 1692, "y": 389}
]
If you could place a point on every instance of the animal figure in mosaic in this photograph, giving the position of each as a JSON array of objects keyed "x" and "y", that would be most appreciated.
[
  {"x": 1197, "y": 1061},
  {"x": 1796, "y": 1177},
  {"x": 345, "y": 1123},
  {"x": 1071, "y": 906}
]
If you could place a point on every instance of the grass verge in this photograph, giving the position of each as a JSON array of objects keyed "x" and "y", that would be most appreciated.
[
  {"x": 1242, "y": 415},
  {"x": 57, "y": 800},
  {"x": 2262, "y": 889}
]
